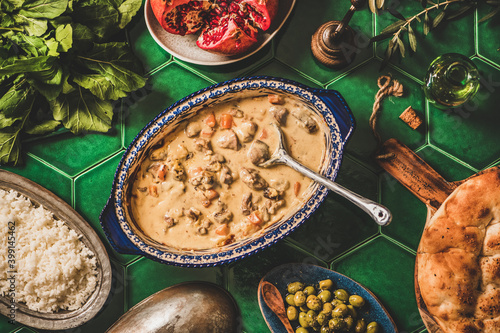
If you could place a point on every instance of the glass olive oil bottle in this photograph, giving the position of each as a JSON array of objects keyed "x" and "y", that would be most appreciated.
[{"x": 451, "y": 80}]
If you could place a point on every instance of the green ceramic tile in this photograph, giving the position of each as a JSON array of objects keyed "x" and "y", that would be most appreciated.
[
  {"x": 359, "y": 90},
  {"x": 75, "y": 153},
  {"x": 245, "y": 275},
  {"x": 408, "y": 213},
  {"x": 45, "y": 176},
  {"x": 294, "y": 43},
  {"x": 470, "y": 132},
  {"x": 25, "y": 330},
  {"x": 278, "y": 69},
  {"x": 449, "y": 36},
  {"x": 112, "y": 310},
  {"x": 447, "y": 167},
  {"x": 6, "y": 326},
  {"x": 146, "y": 277},
  {"x": 92, "y": 190},
  {"x": 167, "y": 86},
  {"x": 488, "y": 35},
  {"x": 144, "y": 46},
  {"x": 338, "y": 225},
  {"x": 240, "y": 68},
  {"x": 387, "y": 270}
]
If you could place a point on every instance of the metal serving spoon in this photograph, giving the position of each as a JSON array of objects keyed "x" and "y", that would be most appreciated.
[{"x": 379, "y": 213}]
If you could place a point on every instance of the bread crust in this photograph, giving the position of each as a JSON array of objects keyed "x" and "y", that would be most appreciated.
[{"x": 458, "y": 260}]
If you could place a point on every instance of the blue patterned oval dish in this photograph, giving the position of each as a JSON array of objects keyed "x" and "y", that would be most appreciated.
[
  {"x": 126, "y": 237},
  {"x": 282, "y": 275}
]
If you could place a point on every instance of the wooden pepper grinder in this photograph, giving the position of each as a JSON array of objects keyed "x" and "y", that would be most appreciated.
[{"x": 329, "y": 42}]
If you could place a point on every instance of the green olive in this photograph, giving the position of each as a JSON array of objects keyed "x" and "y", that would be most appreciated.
[
  {"x": 314, "y": 303},
  {"x": 340, "y": 311},
  {"x": 304, "y": 308},
  {"x": 325, "y": 329},
  {"x": 372, "y": 327},
  {"x": 301, "y": 330},
  {"x": 292, "y": 313},
  {"x": 349, "y": 322},
  {"x": 325, "y": 284},
  {"x": 299, "y": 298},
  {"x": 357, "y": 301},
  {"x": 327, "y": 308},
  {"x": 325, "y": 296},
  {"x": 322, "y": 318},
  {"x": 336, "y": 302},
  {"x": 303, "y": 320},
  {"x": 336, "y": 324},
  {"x": 360, "y": 326},
  {"x": 295, "y": 286},
  {"x": 352, "y": 311},
  {"x": 311, "y": 317},
  {"x": 289, "y": 299},
  {"x": 342, "y": 295},
  {"x": 309, "y": 290}
]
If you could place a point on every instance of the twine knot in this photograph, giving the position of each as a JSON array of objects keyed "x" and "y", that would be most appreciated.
[{"x": 388, "y": 87}]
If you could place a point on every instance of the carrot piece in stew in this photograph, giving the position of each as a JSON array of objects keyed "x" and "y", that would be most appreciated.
[
  {"x": 226, "y": 121},
  {"x": 153, "y": 191},
  {"x": 254, "y": 218},
  {"x": 296, "y": 189},
  {"x": 222, "y": 230},
  {"x": 210, "y": 120}
]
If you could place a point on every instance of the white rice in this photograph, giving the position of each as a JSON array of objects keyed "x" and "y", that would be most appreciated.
[{"x": 54, "y": 269}]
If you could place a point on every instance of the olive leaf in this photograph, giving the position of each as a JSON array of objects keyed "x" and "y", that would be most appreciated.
[
  {"x": 438, "y": 19},
  {"x": 491, "y": 14},
  {"x": 412, "y": 39},
  {"x": 427, "y": 24}
]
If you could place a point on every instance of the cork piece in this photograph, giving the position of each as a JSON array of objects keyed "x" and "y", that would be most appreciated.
[{"x": 411, "y": 118}]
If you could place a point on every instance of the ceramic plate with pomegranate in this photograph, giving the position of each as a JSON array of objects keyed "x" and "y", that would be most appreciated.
[{"x": 215, "y": 32}]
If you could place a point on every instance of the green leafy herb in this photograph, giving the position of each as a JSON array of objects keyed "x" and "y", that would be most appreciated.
[
  {"x": 60, "y": 66},
  {"x": 446, "y": 10}
]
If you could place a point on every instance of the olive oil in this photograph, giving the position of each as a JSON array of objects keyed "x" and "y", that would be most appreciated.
[{"x": 452, "y": 79}]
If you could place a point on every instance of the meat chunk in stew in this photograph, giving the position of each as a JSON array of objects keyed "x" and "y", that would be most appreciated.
[
  {"x": 193, "y": 129},
  {"x": 279, "y": 113},
  {"x": 252, "y": 179},
  {"x": 226, "y": 176},
  {"x": 228, "y": 140},
  {"x": 246, "y": 203},
  {"x": 246, "y": 130},
  {"x": 306, "y": 121},
  {"x": 258, "y": 152}
]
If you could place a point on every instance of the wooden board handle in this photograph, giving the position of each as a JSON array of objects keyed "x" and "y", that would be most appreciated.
[{"x": 414, "y": 173}]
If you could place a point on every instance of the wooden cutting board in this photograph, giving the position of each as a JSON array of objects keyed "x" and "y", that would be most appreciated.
[{"x": 428, "y": 186}]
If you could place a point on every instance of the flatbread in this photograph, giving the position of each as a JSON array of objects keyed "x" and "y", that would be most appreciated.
[{"x": 458, "y": 260}]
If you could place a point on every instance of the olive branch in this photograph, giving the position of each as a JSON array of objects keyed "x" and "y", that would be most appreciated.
[{"x": 447, "y": 10}]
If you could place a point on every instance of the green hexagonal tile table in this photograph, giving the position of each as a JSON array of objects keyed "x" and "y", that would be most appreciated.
[{"x": 457, "y": 143}]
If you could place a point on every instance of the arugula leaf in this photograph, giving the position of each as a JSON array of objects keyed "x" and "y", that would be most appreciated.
[
  {"x": 10, "y": 146},
  {"x": 81, "y": 111},
  {"x": 102, "y": 19},
  {"x": 15, "y": 100},
  {"x": 32, "y": 45},
  {"x": 11, "y": 5},
  {"x": 50, "y": 82},
  {"x": 42, "y": 128},
  {"x": 64, "y": 35},
  {"x": 83, "y": 37},
  {"x": 32, "y": 26},
  {"x": 46, "y": 9},
  {"x": 127, "y": 11},
  {"x": 16, "y": 66}
]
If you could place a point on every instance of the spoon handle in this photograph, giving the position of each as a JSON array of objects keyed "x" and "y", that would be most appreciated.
[{"x": 379, "y": 213}]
